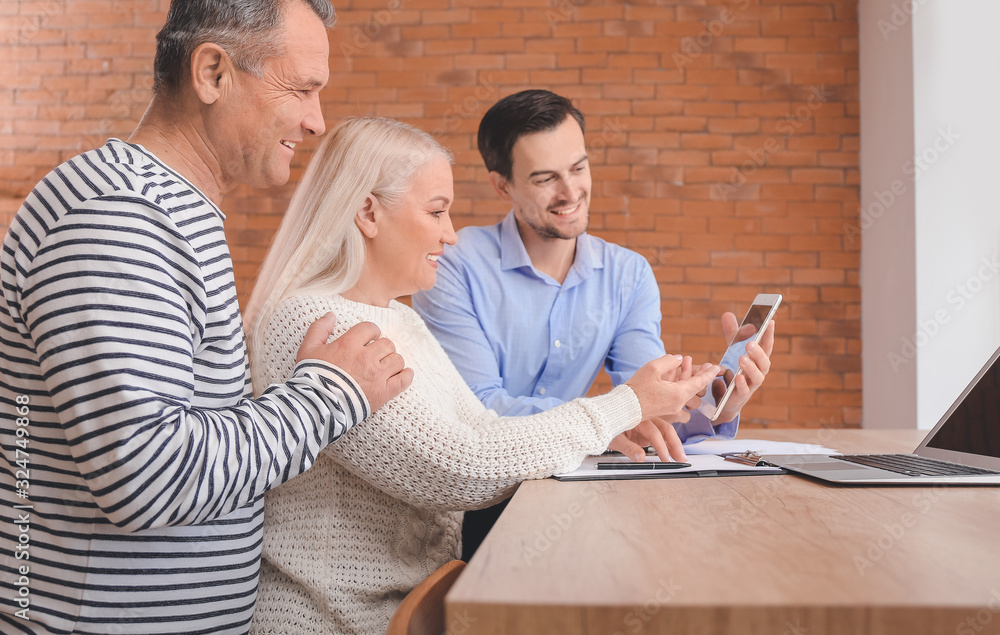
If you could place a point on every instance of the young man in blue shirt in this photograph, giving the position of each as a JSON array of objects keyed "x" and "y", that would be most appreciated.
[{"x": 530, "y": 309}]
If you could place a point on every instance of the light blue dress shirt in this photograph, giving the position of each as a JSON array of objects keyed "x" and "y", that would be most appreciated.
[{"x": 525, "y": 343}]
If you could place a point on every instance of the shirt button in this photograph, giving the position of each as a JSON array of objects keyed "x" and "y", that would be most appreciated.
[
  {"x": 541, "y": 391},
  {"x": 557, "y": 343}
]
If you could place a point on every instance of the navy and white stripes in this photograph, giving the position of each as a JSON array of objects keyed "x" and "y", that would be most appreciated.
[{"x": 119, "y": 323}]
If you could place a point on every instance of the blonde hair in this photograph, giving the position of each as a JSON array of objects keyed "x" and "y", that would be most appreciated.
[{"x": 318, "y": 248}]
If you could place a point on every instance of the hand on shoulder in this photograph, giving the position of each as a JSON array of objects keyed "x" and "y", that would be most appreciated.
[{"x": 370, "y": 359}]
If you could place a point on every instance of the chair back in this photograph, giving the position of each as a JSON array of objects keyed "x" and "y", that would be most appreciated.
[{"x": 422, "y": 611}]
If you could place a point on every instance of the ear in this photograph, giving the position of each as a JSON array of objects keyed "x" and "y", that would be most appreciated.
[
  {"x": 365, "y": 219},
  {"x": 211, "y": 72},
  {"x": 500, "y": 185}
]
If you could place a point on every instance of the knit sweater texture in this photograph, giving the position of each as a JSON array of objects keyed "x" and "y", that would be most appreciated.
[{"x": 381, "y": 508}]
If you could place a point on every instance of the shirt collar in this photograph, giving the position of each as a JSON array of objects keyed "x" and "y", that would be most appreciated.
[{"x": 513, "y": 255}]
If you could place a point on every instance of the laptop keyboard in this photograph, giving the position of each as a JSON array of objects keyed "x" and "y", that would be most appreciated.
[{"x": 912, "y": 465}]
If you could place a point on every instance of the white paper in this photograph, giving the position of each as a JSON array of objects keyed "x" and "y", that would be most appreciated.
[
  {"x": 699, "y": 463},
  {"x": 757, "y": 446},
  {"x": 703, "y": 456}
]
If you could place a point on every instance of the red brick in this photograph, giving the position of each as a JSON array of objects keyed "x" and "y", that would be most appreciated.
[
  {"x": 733, "y": 125},
  {"x": 781, "y": 28},
  {"x": 658, "y": 44},
  {"x": 584, "y": 60},
  {"x": 549, "y": 47},
  {"x": 630, "y": 27},
  {"x": 808, "y": 175},
  {"x": 735, "y": 93},
  {"x": 526, "y": 30},
  {"x": 445, "y": 46},
  {"x": 650, "y": 13},
  {"x": 724, "y": 77},
  {"x": 689, "y": 140},
  {"x": 813, "y": 44},
  {"x": 770, "y": 211},
  {"x": 476, "y": 30},
  {"x": 602, "y": 44},
  {"x": 554, "y": 78},
  {"x": 633, "y": 61},
  {"x": 760, "y": 44},
  {"x": 761, "y": 76},
  {"x": 683, "y": 158}
]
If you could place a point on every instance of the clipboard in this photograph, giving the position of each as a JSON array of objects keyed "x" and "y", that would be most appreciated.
[
  {"x": 702, "y": 465},
  {"x": 748, "y": 457}
]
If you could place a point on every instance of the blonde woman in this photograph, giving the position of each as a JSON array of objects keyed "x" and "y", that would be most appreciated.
[{"x": 381, "y": 508}]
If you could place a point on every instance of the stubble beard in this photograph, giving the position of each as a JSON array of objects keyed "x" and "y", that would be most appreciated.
[{"x": 552, "y": 232}]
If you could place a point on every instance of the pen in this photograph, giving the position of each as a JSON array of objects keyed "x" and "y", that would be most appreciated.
[{"x": 648, "y": 465}]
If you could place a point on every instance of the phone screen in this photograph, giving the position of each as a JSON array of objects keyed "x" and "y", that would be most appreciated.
[
  {"x": 752, "y": 324},
  {"x": 747, "y": 332}
]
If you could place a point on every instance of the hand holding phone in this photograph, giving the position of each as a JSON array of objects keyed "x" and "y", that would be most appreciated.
[{"x": 751, "y": 329}]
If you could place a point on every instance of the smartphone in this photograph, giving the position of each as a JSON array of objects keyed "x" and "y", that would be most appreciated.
[{"x": 751, "y": 330}]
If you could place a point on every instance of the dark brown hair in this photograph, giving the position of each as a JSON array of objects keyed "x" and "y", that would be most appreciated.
[{"x": 515, "y": 116}]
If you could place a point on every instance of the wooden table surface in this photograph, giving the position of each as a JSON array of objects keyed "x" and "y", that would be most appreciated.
[{"x": 781, "y": 555}]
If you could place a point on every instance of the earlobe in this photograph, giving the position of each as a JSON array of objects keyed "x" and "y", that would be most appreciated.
[
  {"x": 211, "y": 72},
  {"x": 365, "y": 219}
]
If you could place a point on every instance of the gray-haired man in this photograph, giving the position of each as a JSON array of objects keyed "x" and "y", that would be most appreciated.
[{"x": 133, "y": 458}]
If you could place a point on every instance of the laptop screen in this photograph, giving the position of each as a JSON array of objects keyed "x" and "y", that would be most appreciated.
[{"x": 973, "y": 426}]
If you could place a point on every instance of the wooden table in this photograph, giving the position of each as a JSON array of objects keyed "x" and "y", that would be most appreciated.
[{"x": 781, "y": 555}]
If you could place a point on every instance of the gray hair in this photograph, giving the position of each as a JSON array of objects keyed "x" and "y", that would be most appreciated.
[{"x": 250, "y": 32}]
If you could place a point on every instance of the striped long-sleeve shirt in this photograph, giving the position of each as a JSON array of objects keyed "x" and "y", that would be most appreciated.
[{"x": 132, "y": 458}]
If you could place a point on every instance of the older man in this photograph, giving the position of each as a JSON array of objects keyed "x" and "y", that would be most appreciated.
[{"x": 133, "y": 458}]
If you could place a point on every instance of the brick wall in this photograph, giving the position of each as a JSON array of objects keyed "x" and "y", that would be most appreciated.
[{"x": 723, "y": 136}]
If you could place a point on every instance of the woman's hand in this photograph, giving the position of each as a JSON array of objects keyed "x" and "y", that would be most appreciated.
[{"x": 662, "y": 388}]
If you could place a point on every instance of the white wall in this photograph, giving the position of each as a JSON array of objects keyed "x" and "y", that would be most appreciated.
[
  {"x": 956, "y": 81},
  {"x": 930, "y": 147}
]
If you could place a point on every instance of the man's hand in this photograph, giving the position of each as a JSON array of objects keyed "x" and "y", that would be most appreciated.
[
  {"x": 754, "y": 364},
  {"x": 662, "y": 388},
  {"x": 363, "y": 354}
]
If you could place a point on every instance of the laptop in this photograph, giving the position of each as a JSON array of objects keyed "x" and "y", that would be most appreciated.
[{"x": 962, "y": 449}]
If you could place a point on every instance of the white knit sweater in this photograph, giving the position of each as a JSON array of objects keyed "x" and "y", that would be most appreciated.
[{"x": 381, "y": 508}]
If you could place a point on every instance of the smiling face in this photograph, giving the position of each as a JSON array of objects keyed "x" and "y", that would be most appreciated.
[
  {"x": 263, "y": 118},
  {"x": 401, "y": 256},
  {"x": 549, "y": 188}
]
